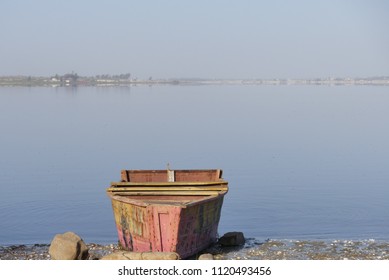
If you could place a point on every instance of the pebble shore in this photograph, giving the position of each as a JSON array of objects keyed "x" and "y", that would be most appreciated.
[
  {"x": 41, "y": 251},
  {"x": 253, "y": 249}
]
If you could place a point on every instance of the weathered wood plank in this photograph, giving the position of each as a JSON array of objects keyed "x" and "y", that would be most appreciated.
[
  {"x": 208, "y": 193},
  {"x": 130, "y": 184},
  {"x": 137, "y": 188}
]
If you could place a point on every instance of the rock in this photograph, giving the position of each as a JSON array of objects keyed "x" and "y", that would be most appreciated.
[
  {"x": 126, "y": 255},
  {"x": 160, "y": 256},
  {"x": 206, "y": 257},
  {"x": 235, "y": 238},
  {"x": 123, "y": 255},
  {"x": 68, "y": 246}
]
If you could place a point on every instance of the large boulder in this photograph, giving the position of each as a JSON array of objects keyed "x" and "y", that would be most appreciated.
[
  {"x": 126, "y": 255},
  {"x": 235, "y": 238},
  {"x": 68, "y": 246}
]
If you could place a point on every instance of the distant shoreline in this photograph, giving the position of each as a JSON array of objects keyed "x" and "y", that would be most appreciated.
[{"x": 72, "y": 80}]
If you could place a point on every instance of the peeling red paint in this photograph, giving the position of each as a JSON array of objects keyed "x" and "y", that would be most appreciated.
[{"x": 185, "y": 224}]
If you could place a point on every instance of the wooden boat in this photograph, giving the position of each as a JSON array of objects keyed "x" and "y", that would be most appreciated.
[{"x": 168, "y": 210}]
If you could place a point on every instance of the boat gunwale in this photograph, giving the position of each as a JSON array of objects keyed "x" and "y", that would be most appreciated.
[
  {"x": 125, "y": 198},
  {"x": 165, "y": 184}
]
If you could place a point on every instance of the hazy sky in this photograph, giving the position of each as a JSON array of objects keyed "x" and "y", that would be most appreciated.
[{"x": 198, "y": 38}]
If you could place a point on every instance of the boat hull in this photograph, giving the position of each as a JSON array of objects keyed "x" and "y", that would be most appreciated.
[
  {"x": 168, "y": 210},
  {"x": 167, "y": 228}
]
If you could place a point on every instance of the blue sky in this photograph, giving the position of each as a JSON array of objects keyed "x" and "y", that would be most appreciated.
[{"x": 207, "y": 39}]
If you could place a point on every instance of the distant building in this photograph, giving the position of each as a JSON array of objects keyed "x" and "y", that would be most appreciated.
[{"x": 69, "y": 79}]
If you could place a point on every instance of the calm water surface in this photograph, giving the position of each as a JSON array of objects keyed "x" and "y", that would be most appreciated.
[{"x": 302, "y": 162}]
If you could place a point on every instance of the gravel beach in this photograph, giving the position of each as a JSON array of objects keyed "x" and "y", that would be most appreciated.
[{"x": 253, "y": 250}]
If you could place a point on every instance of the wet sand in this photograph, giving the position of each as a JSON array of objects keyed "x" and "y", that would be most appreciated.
[{"x": 252, "y": 250}]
